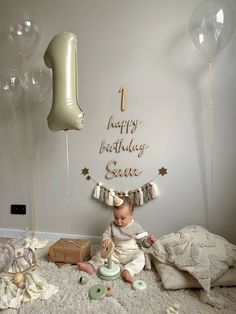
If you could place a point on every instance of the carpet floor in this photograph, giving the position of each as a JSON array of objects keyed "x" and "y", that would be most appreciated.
[{"x": 73, "y": 297}]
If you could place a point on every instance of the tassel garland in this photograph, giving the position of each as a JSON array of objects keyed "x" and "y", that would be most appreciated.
[{"x": 138, "y": 197}]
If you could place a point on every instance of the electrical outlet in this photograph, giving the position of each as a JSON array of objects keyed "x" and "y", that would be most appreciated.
[{"x": 18, "y": 209}]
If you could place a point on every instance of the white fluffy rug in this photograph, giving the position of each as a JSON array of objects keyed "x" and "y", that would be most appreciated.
[{"x": 73, "y": 298}]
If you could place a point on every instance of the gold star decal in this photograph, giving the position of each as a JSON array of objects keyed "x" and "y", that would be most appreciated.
[
  {"x": 85, "y": 171},
  {"x": 162, "y": 171}
]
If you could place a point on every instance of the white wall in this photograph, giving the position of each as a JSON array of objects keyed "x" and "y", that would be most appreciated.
[{"x": 144, "y": 45}]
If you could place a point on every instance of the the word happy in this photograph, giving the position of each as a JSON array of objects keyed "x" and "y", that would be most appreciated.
[{"x": 127, "y": 126}]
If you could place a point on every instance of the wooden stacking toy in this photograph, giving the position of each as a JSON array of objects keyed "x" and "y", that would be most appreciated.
[{"x": 108, "y": 271}]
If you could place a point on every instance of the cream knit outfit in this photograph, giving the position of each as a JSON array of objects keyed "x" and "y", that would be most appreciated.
[{"x": 128, "y": 241}]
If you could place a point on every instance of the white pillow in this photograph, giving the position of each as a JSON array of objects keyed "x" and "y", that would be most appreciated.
[
  {"x": 193, "y": 249},
  {"x": 174, "y": 278}
]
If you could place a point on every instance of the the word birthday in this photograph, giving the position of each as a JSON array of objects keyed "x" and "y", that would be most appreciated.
[{"x": 120, "y": 146}]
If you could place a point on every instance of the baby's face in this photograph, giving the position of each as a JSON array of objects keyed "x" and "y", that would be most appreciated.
[{"x": 122, "y": 216}]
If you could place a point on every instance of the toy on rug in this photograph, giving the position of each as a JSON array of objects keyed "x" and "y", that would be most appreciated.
[
  {"x": 17, "y": 259},
  {"x": 139, "y": 285},
  {"x": 19, "y": 280},
  {"x": 22, "y": 288},
  {"x": 173, "y": 309},
  {"x": 125, "y": 240},
  {"x": 83, "y": 280},
  {"x": 109, "y": 291},
  {"x": 100, "y": 291},
  {"x": 108, "y": 271}
]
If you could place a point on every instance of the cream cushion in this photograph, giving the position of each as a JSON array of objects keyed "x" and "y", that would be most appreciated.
[
  {"x": 193, "y": 249},
  {"x": 174, "y": 278}
]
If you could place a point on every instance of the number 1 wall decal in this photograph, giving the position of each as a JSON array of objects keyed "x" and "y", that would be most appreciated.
[{"x": 123, "y": 90}]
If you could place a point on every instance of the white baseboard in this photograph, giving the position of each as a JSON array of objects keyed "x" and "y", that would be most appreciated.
[{"x": 15, "y": 233}]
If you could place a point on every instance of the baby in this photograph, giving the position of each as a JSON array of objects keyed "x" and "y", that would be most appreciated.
[{"x": 128, "y": 237}]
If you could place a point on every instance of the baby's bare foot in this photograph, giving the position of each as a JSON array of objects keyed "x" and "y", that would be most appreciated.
[
  {"x": 127, "y": 276},
  {"x": 88, "y": 268}
]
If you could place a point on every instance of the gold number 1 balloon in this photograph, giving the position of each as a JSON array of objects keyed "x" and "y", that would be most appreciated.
[{"x": 61, "y": 56}]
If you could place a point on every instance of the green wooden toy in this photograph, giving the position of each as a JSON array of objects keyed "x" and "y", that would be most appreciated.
[
  {"x": 98, "y": 292},
  {"x": 109, "y": 271},
  {"x": 83, "y": 280},
  {"x": 139, "y": 285}
]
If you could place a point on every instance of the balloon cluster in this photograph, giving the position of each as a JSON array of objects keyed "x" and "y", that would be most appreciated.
[
  {"x": 31, "y": 76},
  {"x": 211, "y": 27}
]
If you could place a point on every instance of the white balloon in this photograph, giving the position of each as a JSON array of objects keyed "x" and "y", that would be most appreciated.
[
  {"x": 211, "y": 27},
  {"x": 36, "y": 77},
  {"x": 24, "y": 33},
  {"x": 10, "y": 87}
]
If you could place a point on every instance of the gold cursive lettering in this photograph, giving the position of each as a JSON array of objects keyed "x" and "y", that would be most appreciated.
[
  {"x": 128, "y": 126},
  {"x": 120, "y": 172},
  {"x": 119, "y": 146}
]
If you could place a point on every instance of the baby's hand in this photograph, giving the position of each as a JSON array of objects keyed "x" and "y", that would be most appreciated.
[
  {"x": 105, "y": 243},
  {"x": 151, "y": 239}
]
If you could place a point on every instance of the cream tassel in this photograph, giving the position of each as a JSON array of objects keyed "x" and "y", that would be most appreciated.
[
  {"x": 96, "y": 193},
  {"x": 145, "y": 197},
  {"x": 106, "y": 192},
  {"x": 110, "y": 197},
  {"x": 102, "y": 194},
  {"x": 140, "y": 197},
  {"x": 155, "y": 192}
]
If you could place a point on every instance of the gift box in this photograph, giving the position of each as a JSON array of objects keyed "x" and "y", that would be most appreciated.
[{"x": 70, "y": 251}]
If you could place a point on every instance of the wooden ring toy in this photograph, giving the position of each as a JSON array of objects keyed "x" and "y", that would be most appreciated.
[
  {"x": 109, "y": 291},
  {"x": 105, "y": 253},
  {"x": 98, "y": 292},
  {"x": 139, "y": 285},
  {"x": 83, "y": 280}
]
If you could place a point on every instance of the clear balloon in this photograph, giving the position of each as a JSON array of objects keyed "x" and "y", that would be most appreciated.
[
  {"x": 10, "y": 87},
  {"x": 61, "y": 56},
  {"x": 24, "y": 33},
  {"x": 36, "y": 77},
  {"x": 211, "y": 27}
]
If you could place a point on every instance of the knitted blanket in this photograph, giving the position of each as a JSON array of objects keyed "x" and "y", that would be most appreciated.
[{"x": 204, "y": 255}]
